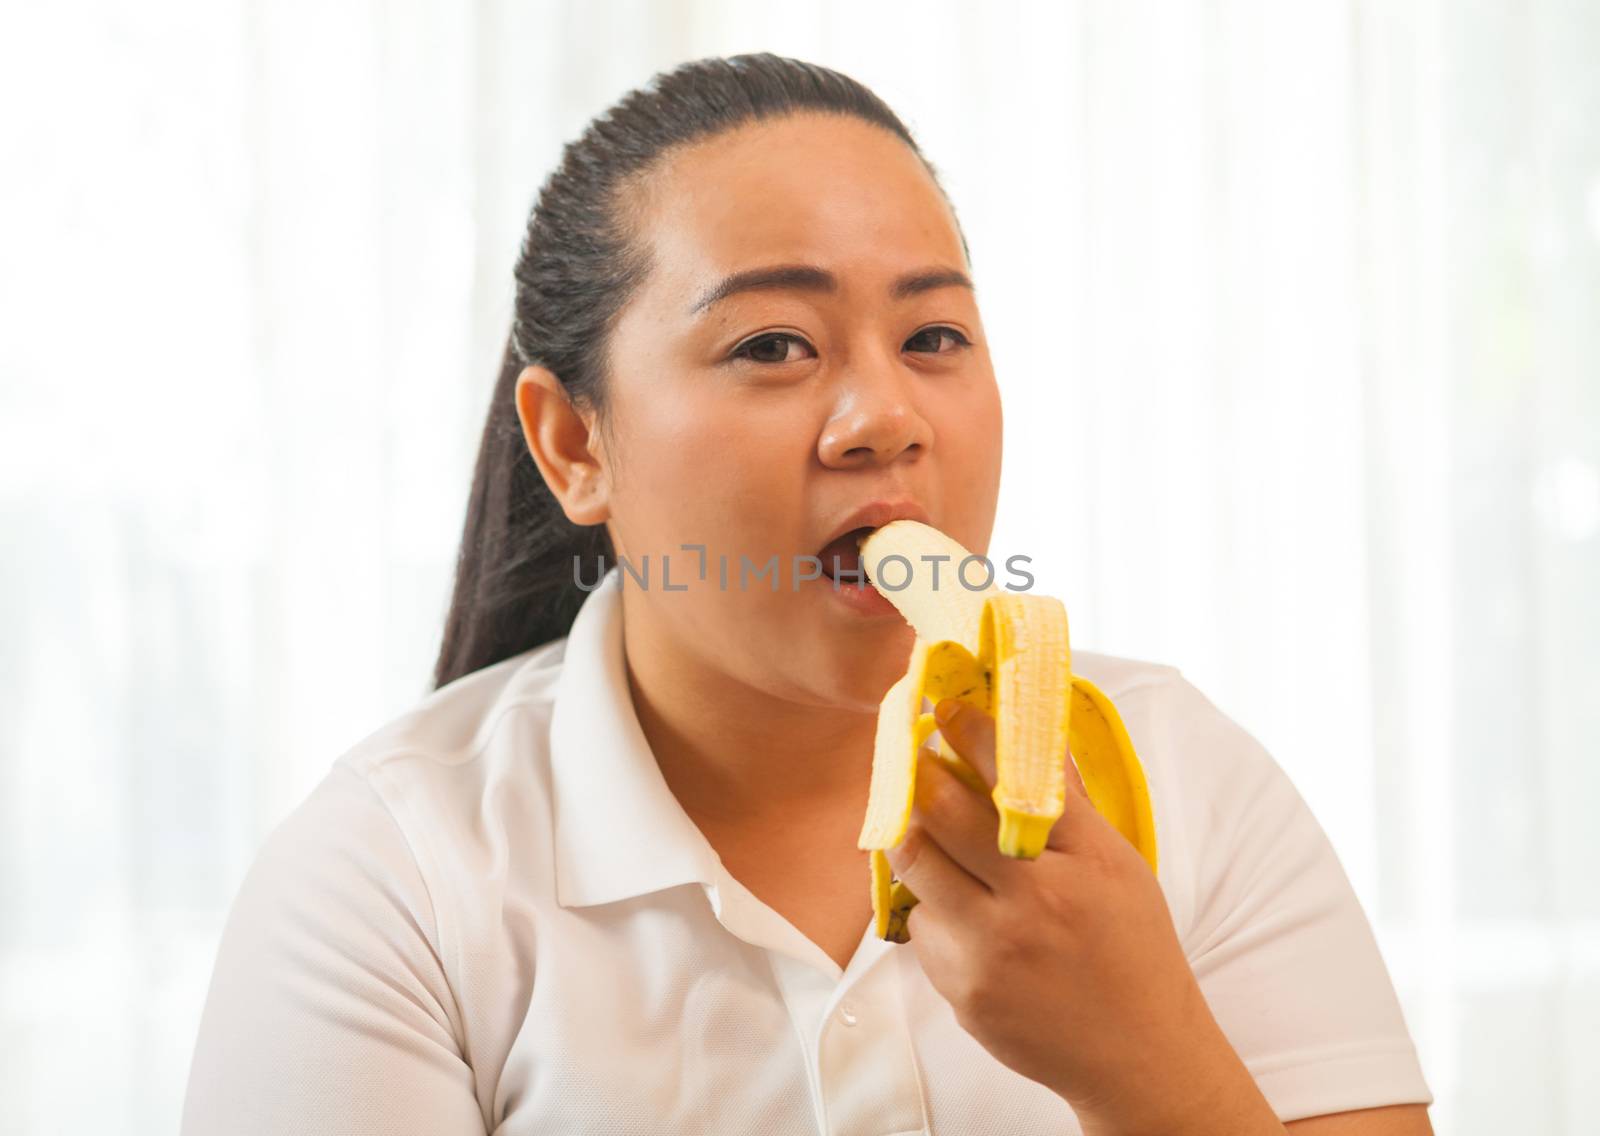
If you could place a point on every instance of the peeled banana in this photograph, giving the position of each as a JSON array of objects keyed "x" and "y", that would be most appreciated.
[{"x": 1007, "y": 654}]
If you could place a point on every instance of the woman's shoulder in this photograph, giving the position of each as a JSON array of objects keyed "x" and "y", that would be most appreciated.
[
  {"x": 1223, "y": 806},
  {"x": 1119, "y": 674},
  {"x": 1172, "y": 722},
  {"x": 459, "y": 723},
  {"x": 355, "y": 937},
  {"x": 420, "y": 808},
  {"x": 397, "y": 858},
  {"x": 433, "y": 764},
  {"x": 465, "y": 765}
]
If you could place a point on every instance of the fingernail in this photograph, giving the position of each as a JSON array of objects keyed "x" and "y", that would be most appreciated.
[{"x": 947, "y": 709}]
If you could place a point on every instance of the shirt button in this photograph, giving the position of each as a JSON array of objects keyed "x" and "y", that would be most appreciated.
[{"x": 847, "y": 1013}]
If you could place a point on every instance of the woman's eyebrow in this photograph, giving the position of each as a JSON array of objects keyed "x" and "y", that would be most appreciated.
[{"x": 809, "y": 277}]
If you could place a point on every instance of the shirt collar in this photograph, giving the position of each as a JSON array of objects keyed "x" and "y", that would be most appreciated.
[{"x": 619, "y": 831}]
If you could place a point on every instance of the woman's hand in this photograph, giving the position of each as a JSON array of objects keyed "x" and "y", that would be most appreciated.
[{"x": 1066, "y": 968}]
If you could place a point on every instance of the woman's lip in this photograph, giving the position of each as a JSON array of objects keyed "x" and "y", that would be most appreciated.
[
  {"x": 863, "y": 599},
  {"x": 876, "y": 514}
]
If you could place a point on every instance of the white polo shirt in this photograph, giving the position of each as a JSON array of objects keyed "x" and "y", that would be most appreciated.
[{"x": 494, "y": 916}]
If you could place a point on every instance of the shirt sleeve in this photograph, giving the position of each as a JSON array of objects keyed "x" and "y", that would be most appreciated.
[
  {"x": 329, "y": 1010},
  {"x": 1278, "y": 939}
]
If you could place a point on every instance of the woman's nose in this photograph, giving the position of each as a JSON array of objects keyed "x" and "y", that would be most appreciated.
[{"x": 876, "y": 421}]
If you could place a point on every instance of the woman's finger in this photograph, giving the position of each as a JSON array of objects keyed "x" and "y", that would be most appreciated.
[
  {"x": 970, "y": 733},
  {"x": 931, "y": 874},
  {"x": 964, "y": 824}
]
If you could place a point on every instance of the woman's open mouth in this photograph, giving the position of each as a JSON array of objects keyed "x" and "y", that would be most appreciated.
[
  {"x": 841, "y": 557},
  {"x": 842, "y": 574}
]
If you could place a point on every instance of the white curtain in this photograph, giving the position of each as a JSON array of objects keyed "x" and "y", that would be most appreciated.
[{"x": 1296, "y": 308}]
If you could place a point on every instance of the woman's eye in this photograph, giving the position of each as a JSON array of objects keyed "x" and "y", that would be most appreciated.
[
  {"x": 770, "y": 348},
  {"x": 929, "y": 338}
]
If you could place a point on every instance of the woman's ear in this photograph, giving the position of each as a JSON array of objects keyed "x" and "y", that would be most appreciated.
[{"x": 559, "y": 439}]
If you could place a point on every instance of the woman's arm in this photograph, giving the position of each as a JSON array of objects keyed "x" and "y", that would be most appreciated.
[{"x": 329, "y": 1011}]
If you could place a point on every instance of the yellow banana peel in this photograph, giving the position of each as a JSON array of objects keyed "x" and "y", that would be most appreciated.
[{"x": 1009, "y": 655}]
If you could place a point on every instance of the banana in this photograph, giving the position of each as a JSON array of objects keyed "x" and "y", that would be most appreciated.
[{"x": 1010, "y": 656}]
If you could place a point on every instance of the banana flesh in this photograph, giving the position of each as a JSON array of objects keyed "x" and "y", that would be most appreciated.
[{"x": 1010, "y": 656}]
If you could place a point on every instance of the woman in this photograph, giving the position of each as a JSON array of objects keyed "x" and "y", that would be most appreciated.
[{"x": 604, "y": 879}]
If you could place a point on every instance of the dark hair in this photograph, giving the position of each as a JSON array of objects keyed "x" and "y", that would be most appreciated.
[{"x": 514, "y": 585}]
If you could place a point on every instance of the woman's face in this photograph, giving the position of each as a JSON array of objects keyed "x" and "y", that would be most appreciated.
[{"x": 756, "y": 420}]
